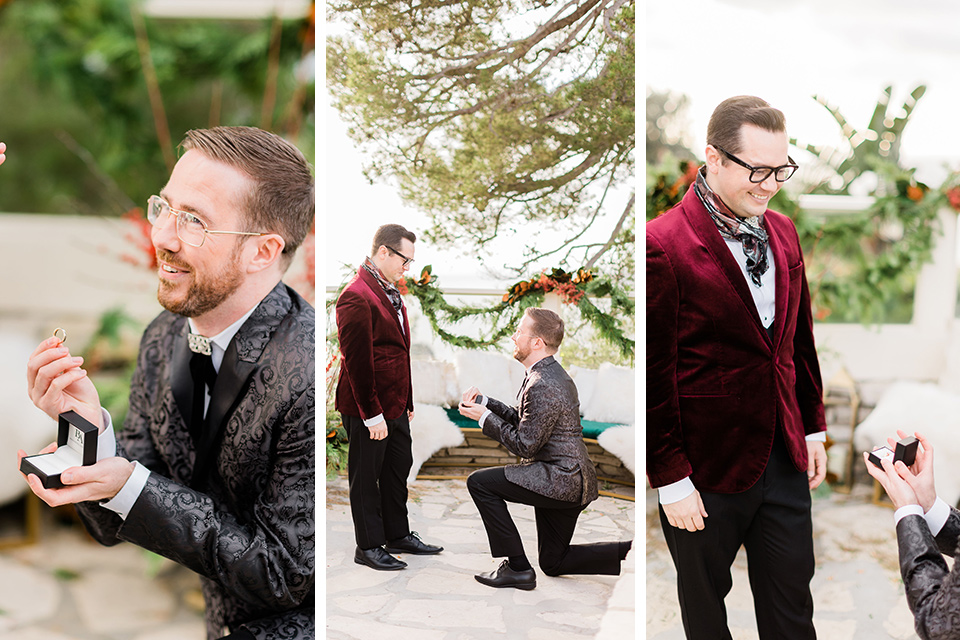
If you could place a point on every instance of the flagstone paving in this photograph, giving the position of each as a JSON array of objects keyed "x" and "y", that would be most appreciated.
[
  {"x": 66, "y": 586},
  {"x": 437, "y": 598},
  {"x": 857, "y": 590}
]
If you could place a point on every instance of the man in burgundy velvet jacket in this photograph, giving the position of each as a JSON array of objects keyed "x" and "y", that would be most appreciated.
[
  {"x": 375, "y": 399},
  {"x": 735, "y": 423}
]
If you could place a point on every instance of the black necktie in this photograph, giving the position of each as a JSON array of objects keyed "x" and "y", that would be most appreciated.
[
  {"x": 204, "y": 376},
  {"x": 524, "y": 385}
]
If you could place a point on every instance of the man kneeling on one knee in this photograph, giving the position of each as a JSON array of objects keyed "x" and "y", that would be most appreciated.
[{"x": 555, "y": 475}]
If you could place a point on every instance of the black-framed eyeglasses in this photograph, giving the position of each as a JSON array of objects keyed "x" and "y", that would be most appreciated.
[
  {"x": 406, "y": 261},
  {"x": 759, "y": 174}
]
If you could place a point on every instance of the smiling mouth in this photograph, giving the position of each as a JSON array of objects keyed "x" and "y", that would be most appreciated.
[{"x": 166, "y": 268}]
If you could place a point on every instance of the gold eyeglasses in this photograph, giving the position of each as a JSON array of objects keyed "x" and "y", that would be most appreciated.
[{"x": 190, "y": 229}]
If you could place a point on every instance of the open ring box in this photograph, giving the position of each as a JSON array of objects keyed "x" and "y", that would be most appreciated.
[
  {"x": 906, "y": 452},
  {"x": 76, "y": 446}
]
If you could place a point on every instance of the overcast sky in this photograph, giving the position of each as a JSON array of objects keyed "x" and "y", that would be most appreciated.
[{"x": 846, "y": 51}]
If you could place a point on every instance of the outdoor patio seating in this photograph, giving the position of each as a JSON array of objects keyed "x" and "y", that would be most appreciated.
[{"x": 442, "y": 438}]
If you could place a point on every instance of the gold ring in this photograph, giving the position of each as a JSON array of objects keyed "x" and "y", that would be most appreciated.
[{"x": 60, "y": 335}]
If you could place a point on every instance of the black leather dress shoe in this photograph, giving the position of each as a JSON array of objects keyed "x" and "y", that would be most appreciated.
[
  {"x": 412, "y": 543},
  {"x": 504, "y": 576},
  {"x": 378, "y": 559}
]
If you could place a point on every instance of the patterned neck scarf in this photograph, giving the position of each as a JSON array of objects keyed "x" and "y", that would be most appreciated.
[
  {"x": 390, "y": 289},
  {"x": 749, "y": 231}
]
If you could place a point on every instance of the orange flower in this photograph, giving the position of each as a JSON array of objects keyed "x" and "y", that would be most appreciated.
[{"x": 915, "y": 193}]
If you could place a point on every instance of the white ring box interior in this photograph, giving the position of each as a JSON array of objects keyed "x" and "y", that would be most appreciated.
[{"x": 76, "y": 447}]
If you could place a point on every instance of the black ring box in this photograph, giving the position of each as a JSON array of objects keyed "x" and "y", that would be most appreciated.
[
  {"x": 906, "y": 452},
  {"x": 76, "y": 446}
]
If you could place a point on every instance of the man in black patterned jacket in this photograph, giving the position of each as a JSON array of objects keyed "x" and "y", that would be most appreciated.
[
  {"x": 215, "y": 464},
  {"x": 927, "y": 529},
  {"x": 555, "y": 474}
]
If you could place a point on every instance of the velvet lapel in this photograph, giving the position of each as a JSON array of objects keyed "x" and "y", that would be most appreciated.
[
  {"x": 374, "y": 286},
  {"x": 706, "y": 230},
  {"x": 181, "y": 382},
  {"x": 240, "y": 361}
]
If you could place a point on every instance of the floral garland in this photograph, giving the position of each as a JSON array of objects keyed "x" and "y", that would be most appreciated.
[{"x": 574, "y": 288}]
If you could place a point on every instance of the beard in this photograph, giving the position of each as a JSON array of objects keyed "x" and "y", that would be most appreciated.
[
  {"x": 205, "y": 292},
  {"x": 519, "y": 353}
]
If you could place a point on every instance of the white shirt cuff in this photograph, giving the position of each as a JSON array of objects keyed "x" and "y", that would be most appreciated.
[
  {"x": 483, "y": 417},
  {"x": 676, "y": 491},
  {"x": 820, "y": 436},
  {"x": 107, "y": 440},
  {"x": 907, "y": 510},
  {"x": 129, "y": 492},
  {"x": 483, "y": 400},
  {"x": 377, "y": 419},
  {"x": 937, "y": 516}
]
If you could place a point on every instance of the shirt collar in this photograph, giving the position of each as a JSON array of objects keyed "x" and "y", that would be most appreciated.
[{"x": 221, "y": 341}]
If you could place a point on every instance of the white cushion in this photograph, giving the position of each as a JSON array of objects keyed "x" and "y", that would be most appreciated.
[
  {"x": 586, "y": 381},
  {"x": 434, "y": 382},
  {"x": 430, "y": 430},
  {"x": 923, "y": 407},
  {"x": 496, "y": 375},
  {"x": 621, "y": 442},
  {"x": 612, "y": 399}
]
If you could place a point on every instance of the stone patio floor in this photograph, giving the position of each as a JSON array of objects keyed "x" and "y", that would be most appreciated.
[
  {"x": 437, "y": 598},
  {"x": 68, "y": 587}
]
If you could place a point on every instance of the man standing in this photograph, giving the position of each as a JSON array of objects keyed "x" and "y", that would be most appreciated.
[
  {"x": 555, "y": 476},
  {"x": 375, "y": 399},
  {"x": 214, "y": 467},
  {"x": 735, "y": 422}
]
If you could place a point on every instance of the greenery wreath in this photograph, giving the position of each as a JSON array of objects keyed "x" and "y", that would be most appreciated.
[{"x": 575, "y": 288}]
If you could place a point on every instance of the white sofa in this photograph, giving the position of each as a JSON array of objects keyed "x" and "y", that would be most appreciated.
[{"x": 606, "y": 395}]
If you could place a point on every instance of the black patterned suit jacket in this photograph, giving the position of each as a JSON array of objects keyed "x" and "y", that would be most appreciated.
[
  {"x": 933, "y": 590},
  {"x": 246, "y": 523},
  {"x": 545, "y": 431}
]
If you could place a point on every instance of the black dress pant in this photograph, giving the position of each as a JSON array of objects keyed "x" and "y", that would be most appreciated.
[
  {"x": 378, "y": 470},
  {"x": 772, "y": 521},
  {"x": 556, "y": 521}
]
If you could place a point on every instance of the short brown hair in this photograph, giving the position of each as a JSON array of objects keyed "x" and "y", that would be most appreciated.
[
  {"x": 282, "y": 198},
  {"x": 390, "y": 235},
  {"x": 547, "y": 326},
  {"x": 733, "y": 113}
]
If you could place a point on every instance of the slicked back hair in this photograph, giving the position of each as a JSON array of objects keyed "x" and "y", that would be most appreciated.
[
  {"x": 547, "y": 326},
  {"x": 282, "y": 198},
  {"x": 731, "y": 114}
]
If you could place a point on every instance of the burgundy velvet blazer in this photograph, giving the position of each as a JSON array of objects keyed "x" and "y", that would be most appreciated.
[
  {"x": 375, "y": 370},
  {"x": 715, "y": 383}
]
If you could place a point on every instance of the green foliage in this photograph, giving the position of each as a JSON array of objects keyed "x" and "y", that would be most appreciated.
[
  {"x": 867, "y": 149},
  {"x": 862, "y": 267},
  {"x": 504, "y": 316},
  {"x": 78, "y": 117},
  {"x": 493, "y": 113}
]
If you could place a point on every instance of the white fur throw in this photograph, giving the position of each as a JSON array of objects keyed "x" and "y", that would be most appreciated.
[
  {"x": 430, "y": 430},
  {"x": 434, "y": 382},
  {"x": 496, "y": 375},
  {"x": 923, "y": 407},
  {"x": 586, "y": 381},
  {"x": 612, "y": 399},
  {"x": 621, "y": 442}
]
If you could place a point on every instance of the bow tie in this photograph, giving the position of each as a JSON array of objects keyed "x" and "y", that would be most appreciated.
[{"x": 199, "y": 344}]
